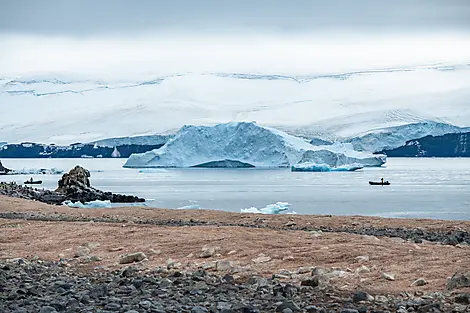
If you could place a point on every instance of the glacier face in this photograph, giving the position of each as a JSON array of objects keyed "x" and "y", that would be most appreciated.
[
  {"x": 331, "y": 106},
  {"x": 394, "y": 137},
  {"x": 249, "y": 144}
]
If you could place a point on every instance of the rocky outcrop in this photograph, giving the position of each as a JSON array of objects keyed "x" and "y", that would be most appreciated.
[
  {"x": 74, "y": 186},
  {"x": 3, "y": 170}
]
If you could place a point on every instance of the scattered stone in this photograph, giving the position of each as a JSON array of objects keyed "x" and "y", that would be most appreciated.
[
  {"x": 116, "y": 249},
  {"x": 288, "y": 258},
  {"x": 359, "y": 296},
  {"x": 462, "y": 298},
  {"x": 316, "y": 233},
  {"x": 459, "y": 280},
  {"x": 93, "y": 245},
  {"x": 47, "y": 309},
  {"x": 82, "y": 251},
  {"x": 362, "y": 258},
  {"x": 132, "y": 258},
  {"x": 223, "y": 265},
  {"x": 290, "y": 224},
  {"x": 419, "y": 282},
  {"x": 199, "y": 309},
  {"x": 303, "y": 270},
  {"x": 232, "y": 252},
  {"x": 363, "y": 269},
  {"x": 154, "y": 252},
  {"x": 288, "y": 304},
  {"x": 387, "y": 276},
  {"x": 261, "y": 259},
  {"x": 207, "y": 252},
  {"x": 315, "y": 281},
  {"x": 48, "y": 288}
]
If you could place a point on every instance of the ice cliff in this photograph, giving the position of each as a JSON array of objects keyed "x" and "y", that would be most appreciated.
[{"x": 242, "y": 144}]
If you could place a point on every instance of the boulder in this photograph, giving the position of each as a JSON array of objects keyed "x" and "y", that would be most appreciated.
[
  {"x": 459, "y": 280},
  {"x": 4, "y": 170},
  {"x": 75, "y": 185}
]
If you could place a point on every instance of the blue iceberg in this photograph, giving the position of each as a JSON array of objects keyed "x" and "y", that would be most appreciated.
[{"x": 313, "y": 167}]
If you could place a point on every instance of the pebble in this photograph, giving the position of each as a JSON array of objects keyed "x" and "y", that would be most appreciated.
[
  {"x": 387, "y": 276},
  {"x": 132, "y": 257},
  {"x": 82, "y": 251},
  {"x": 419, "y": 282},
  {"x": 261, "y": 259},
  {"x": 359, "y": 296}
]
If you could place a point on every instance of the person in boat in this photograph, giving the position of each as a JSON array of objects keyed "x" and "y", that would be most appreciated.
[
  {"x": 382, "y": 180},
  {"x": 31, "y": 179}
]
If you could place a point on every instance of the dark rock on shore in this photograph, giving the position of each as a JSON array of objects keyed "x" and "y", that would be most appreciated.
[
  {"x": 4, "y": 170},
  {"x": 37, "y": 286},
  {"x": 73, "y": 186}
]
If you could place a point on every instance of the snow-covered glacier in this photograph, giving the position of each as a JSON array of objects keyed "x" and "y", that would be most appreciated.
[
  {"x": 65, "y": 108},
  {"x": 394, "y": 137},
  {"x": 246, "y": 144}
]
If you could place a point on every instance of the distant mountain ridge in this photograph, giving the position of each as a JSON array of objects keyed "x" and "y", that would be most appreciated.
[
  {"x": 449, "y": 145},
  {"x": 329, "y": 106}
]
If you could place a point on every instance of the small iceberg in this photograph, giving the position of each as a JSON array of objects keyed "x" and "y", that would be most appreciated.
[
  {"x": 313, "y": 167},
  {"x": 97, "y": 204},
  {"x": 277, "y": 208},
  {"x": 190, "y": 207}
]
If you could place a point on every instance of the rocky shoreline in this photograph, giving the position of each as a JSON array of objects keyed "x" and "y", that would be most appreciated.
[
  {"x": 48, "y": 287},
  {"x": 454, "y": 238},
  {"x": 73, "y": 186}
]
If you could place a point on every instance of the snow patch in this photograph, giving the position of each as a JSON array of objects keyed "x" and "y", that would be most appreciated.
[{"x": 277, "y": 208}]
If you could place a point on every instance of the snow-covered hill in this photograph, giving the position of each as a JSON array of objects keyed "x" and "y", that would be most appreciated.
[
  {"x": 247, "y": 145},
  {"x": 63, "y": 109}
]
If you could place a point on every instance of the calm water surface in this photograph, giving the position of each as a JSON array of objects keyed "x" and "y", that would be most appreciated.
[{"x": 430, "y": 188}]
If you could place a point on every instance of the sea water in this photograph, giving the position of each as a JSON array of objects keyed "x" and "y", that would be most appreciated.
[{"x": 420, "y": 188}]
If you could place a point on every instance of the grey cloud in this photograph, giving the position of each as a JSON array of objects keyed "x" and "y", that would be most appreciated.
[{"x": 124, "y": 17}]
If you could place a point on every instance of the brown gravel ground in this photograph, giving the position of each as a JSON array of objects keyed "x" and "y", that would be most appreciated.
[{"x": 287, "y": 249}]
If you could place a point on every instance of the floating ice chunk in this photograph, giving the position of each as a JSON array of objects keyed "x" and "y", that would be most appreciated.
[
  {"x": 190, "y": 207},
  {"x": 37, "y": 171},
  {"x": 313, "y": 167},
  {"x": 277, "y": 208},
  {"x": 88, "y": 205}
]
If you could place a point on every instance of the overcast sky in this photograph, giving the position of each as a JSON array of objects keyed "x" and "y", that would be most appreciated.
[{"x": 242, "y": 35}]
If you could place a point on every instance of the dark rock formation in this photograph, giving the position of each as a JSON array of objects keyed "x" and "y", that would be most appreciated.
[
  {"x": 3, "y": 170},
  {"x": 449, "y": 145},
  {"x": 74, "y": 186}
]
